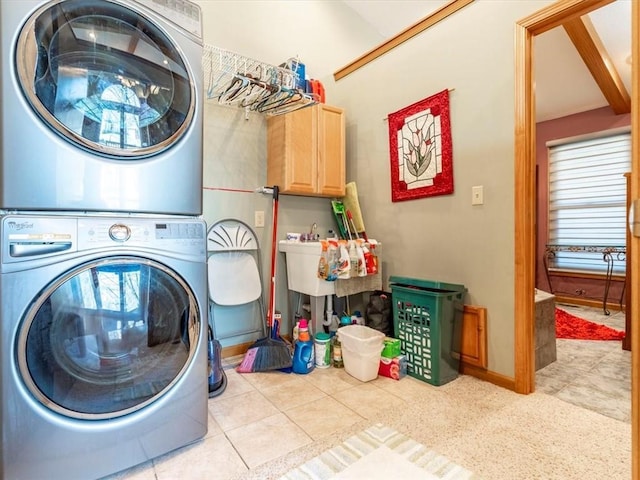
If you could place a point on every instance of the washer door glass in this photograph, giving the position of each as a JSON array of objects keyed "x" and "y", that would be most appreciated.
[
  {"x": 105, "y": 78},
  {"x": 108, "y": 338}
]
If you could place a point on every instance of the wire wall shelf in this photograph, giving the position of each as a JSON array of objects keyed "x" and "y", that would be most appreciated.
[{"x": 236, "y": 80}]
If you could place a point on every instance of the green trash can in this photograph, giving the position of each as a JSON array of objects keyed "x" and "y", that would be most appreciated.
[{"x": 427, "y": 318}]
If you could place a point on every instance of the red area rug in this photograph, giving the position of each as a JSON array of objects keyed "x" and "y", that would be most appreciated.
[{"x": 576, "y": 328}]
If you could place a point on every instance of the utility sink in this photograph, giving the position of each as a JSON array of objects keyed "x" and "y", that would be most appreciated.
[{"x": 302, "y": 268}]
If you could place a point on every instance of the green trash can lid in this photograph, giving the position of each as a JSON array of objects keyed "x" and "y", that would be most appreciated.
[{"x": 425, "y": 284}]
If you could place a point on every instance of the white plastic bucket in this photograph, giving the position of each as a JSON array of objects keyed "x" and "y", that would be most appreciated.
[{"x": 361, "y": 348}]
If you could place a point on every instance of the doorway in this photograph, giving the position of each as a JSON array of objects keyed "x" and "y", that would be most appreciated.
[{"x": 541, "y": 21}]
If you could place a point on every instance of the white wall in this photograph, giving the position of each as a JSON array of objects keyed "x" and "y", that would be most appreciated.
[
  {"x": 440, "y": 238},
  {"x": 446, "y": 238}
]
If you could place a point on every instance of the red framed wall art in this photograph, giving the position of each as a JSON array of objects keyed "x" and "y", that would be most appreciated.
[{"x": 420, "y": 149}]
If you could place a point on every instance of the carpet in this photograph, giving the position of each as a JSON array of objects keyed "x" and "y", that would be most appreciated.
[
  {"x": 379, "y": 453},
  {"x": 571, "y": 327}
]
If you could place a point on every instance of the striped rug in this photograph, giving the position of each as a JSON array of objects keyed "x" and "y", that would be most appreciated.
[{"x": 379, "y": 453}]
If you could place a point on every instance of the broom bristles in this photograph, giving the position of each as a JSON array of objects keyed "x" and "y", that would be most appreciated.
[
  {"x": 272, "y": 355},
  {"x": 264, "y": 355},
  {"x": 246, "y": 366}
]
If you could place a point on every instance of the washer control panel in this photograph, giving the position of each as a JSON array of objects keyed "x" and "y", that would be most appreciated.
[
  {"x": 28, "y": 237},
  {"x": 175, "y": 234},
  {"x": 119, "y": 232}
]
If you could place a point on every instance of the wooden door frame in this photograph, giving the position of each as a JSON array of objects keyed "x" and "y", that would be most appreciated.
[{"x": 525, "y": 207}]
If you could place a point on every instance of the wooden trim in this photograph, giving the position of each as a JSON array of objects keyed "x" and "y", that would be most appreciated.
[
  {"x": 419, "y": 27},
  {"x": 541, "y": 21},
  {"x": 597, "y": 60},
  {"x": 489, "y": 376},
  {"x": 611, "y": 305},
  {"x": 525, "y": 160},
  {"x": 634, "y": 290},
  {"x": 588, "y": 276},
  {"x": 524, "y": 349},
  {"x": 556, "y": 14},
  {"x": 234, "y": 350}
]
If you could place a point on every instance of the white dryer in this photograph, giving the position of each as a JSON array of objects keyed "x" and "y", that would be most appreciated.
[
  {"x": 101, "y": 106},
  {"x": 103, "y": 353}
]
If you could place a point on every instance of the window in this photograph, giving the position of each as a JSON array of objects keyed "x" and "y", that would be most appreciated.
[{"x": 587, "y": 200}]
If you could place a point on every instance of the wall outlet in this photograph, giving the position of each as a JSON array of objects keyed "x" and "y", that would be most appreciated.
[{"x": 258, "y": 220}]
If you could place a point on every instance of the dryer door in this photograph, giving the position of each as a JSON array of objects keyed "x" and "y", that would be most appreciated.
[
  {"x": 105, "y": 78},
  {"x": 108, "y": 338}
]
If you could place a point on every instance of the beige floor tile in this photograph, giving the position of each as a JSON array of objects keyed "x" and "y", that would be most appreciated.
[
  {"x": 292, "y": 393},
  {"x": 323, "y": 417},
  {"x": 212, "y": 427},
  {"x": 367, "y": 399},
  {"x": 331, "y": 380},
  {"x": 267, "y": 379},
  {"x": 237, "y": 384},
  {"x": 232, "y": 361},
  {"x": 214, "y": 457},
  {"x": 267, "y": 439},
  {"x": 241, "y": 410}
]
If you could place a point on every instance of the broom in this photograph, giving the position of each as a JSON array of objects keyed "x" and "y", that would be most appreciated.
[{"x": 271, "y": 352}]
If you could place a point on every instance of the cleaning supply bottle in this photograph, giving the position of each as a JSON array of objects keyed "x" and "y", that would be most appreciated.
[
  {"x": 303, "y": 331},
  {"x": 333, "y": 256},
  {"x": 337, "y": 359},
  {"x": 362, "y": 266},
  {"x": 303, "y": 352},
  {"x": 344, "y": 264},
  {"x": 369, "y": 260},
  {"x": 353, "y": 259},
  {"x": 296, "y": 327},
  {"x": 323, "y": 263},
  {"x": 322, "y": 347}
]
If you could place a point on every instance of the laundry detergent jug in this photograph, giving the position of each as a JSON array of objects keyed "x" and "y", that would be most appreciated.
[{"x": 303, "y": 359}]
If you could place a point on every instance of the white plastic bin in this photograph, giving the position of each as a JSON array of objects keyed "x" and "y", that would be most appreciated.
[{"x": 361, "y": 348}]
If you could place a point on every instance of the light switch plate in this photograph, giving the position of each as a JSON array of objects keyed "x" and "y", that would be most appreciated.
[
  {"x": 477, "y": 195},
  {"x": 258, "y": 218}
]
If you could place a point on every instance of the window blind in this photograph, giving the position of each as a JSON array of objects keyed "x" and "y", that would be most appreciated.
[{"x": 587, "y": 199}]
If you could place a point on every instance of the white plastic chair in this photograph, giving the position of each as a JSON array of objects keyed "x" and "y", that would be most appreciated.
[{"x": 234, "y": 269}]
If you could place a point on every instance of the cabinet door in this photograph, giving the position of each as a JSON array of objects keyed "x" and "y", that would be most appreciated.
[
  {"x": 292, "y": 144},
  {"x": 306, "y": 151},
  {"x": 331, "y": 151}
]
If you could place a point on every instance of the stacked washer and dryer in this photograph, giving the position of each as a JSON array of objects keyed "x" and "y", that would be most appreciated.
[{"x": 103, "y": 295}]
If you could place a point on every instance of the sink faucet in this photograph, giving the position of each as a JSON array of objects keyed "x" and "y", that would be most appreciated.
[{"x": 312, "y": 236}]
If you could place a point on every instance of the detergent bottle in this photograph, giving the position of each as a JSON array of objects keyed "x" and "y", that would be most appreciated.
[{"x": 303, "y": 353}]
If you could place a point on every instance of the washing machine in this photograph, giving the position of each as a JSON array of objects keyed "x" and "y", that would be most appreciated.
[
  {"x": 103, "y": 342},
  {"x": 101, "y": 106}
]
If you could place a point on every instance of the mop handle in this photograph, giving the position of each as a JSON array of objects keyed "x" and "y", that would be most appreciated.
[{"x": 274, "y": 240}]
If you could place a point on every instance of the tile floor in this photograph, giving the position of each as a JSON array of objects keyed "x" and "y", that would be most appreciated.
[
  {"x": 256, "y": 408},
  {"x": 591, "y": 374},
  {"x": 297, "y": 410}
]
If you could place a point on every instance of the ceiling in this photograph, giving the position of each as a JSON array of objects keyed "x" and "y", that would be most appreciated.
[{"x": 563, "y": 82}]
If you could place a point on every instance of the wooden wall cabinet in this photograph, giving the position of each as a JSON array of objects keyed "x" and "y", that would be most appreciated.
[
  {"x": 306, "y": 151},
  {"x": 473, "y": 347}
]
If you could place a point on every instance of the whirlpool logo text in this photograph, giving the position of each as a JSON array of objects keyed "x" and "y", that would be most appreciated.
[{"x": 20, "y": 225}]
